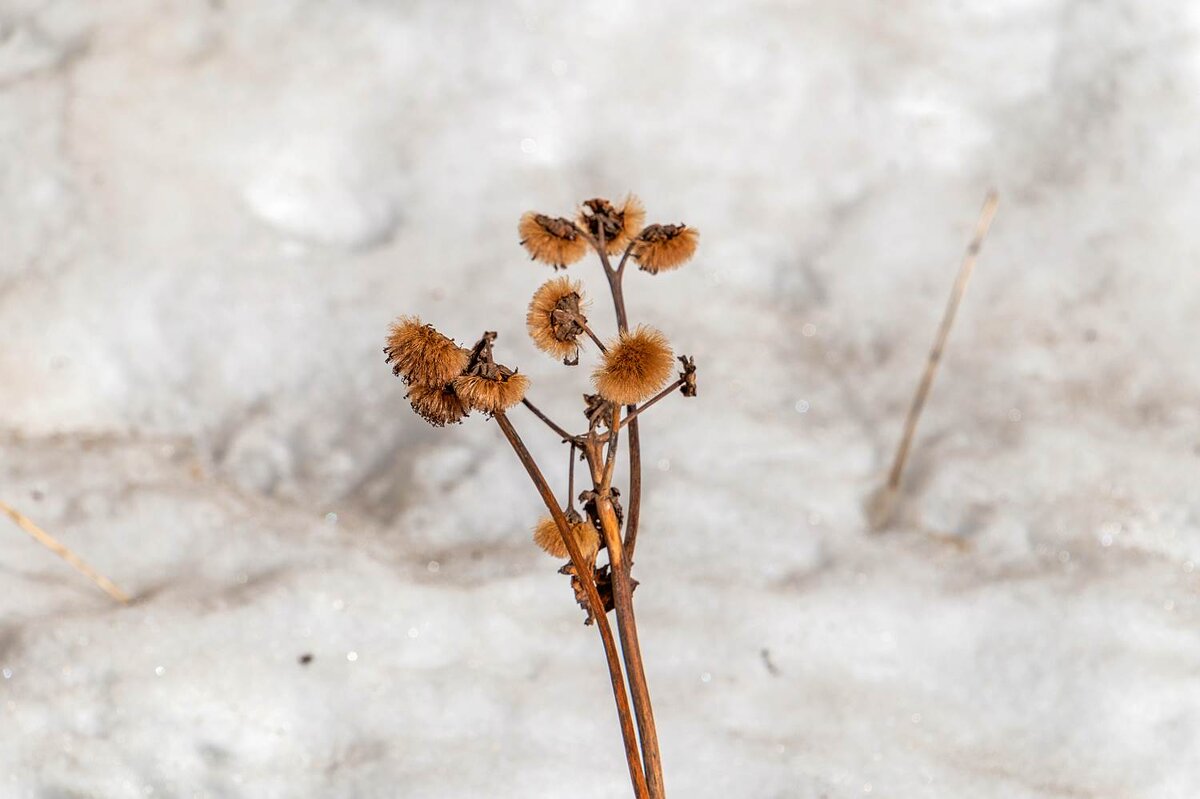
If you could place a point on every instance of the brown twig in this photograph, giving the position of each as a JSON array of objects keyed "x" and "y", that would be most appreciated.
[
  {"x": 620, "y": 554},
  {"x": 885, "y": 502},
  {"x": 60, "y": 549},
  {"x": 629, "y": 417},
  {"x": 583, "y": 571},
  {"x": 627, "y": 624},
  {"x": 549, "y": 422}
]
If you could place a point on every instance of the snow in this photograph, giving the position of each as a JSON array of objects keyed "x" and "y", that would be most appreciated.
[{"x": 212, "y": 211}]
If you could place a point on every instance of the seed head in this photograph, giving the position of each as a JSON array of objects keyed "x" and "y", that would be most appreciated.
[
  {"x": 554, "y": 318},
  {"x": 438, "y": 405},
  {"x": 620, "y": 225},
  {"x": 546, "y": 536},
  {"x": 421, "y": 355},
  {"x": 551, "y": 240},
  {"x": 662, "y": 248},
  {"x": 486, "y": 385},
  {"x": 491, "y": 395},
  {"x": 636, "y": 365}
]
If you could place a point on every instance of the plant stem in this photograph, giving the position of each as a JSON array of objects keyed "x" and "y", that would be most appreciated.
[
  {"x": 60, "y": 549},
  {"x": 629, "y": 417},
  {"x": 892, "y": 487},
  {"x": 595, "y": 339},
  {"x": 633, "y": 511},
  {"x": 583, "y": 571},
  {"x": 621, "y": 556},
  {"x": 549, "y": 422},
  {"x": 627, "y": 624}
]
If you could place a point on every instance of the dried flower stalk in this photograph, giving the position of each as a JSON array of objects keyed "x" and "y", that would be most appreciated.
[
  {"x": 882, "y": 505},
  {"x": 632, "y": 368},
  {"x": 58, "y": 548}
]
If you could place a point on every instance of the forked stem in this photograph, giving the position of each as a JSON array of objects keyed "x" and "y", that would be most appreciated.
[
  {"x": 627, "y": 624},
  {"x": 583, "y": 571},
  {"x": 621, "y": 553}
]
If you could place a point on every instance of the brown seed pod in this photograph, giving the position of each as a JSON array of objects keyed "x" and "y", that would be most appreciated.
[
  {"x": 546, "y": 536},
  {"x": 438, "y": 405},
  {"x": 662, "y": 248},
  {"x": 554, "y": 318},
  {"x": 551, "y": 240},
  {"x": 421, "y": 355},
  {"x": 491, "y": 395},
  {"x": 636, "y": 365},
  {"x": 620, "y": 225}
]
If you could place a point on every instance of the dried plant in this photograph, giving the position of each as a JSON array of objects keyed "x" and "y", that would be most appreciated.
[
  {"x": 881, "y": 505},
  {"x": 446, "y": 382},
  {"x": 63, "y": 551}
]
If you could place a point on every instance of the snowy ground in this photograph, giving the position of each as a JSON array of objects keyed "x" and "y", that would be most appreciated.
[{"x": 211, "y": 210}]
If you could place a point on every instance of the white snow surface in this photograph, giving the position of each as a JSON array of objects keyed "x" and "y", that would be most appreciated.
[{"x": 210, "y": 211}]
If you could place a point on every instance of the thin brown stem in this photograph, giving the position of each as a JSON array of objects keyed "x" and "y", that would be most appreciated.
[
  {"x": 549, "y": 422},
  {"x": 634, "y": 509},
  {"x": 625, "y": 255},
  {"x": 60, "y": 549},
  {"x": 571, "y": 477},
  {"x": 595, "y": 339},
  {"x": 627, "y": 624},
  {"x": 882, "y": 512},
  {"x": 583, "y": 571},
  {"x": 614, "y": 438},
  {"x": 630, "y": 416}
]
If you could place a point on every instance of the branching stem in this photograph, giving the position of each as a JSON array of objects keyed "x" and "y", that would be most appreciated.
[{"x": 583, "y": 571}]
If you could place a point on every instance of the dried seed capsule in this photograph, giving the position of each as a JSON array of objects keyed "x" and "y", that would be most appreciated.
[
  {"x": 554, "y": 317},
  {"x": 620, "y": 225},
  {"x": 438, "y": 405},
  {"x": 491, "y": 394},
  {"x": 423, "y": 356},
  {"x": 636, "y": 365},
  {"x": 662, "y": 248},
  {"x": 546, "y": 536},
  {"x": 554, "y": 241}
]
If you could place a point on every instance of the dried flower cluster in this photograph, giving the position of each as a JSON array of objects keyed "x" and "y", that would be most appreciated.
[{"x": 446, "y": 381}]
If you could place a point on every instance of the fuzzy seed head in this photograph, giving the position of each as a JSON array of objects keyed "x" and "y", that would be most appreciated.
[
  {"x": 491, "y": 395},
  {"x": 438, "y": 405},
  {"x": 553, "y": 318},
  {"x": 620, "y": 225},
  {"x": 662, "y": 248},
  {"x": 421, "y": 355},
  {"x": 551, "y": 240},
  {"x": 637, "y": 365},
  {"x": 546, "y": 536}
]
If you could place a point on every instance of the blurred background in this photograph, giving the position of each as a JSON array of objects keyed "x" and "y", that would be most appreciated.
[{"x": 212, "y": 210}]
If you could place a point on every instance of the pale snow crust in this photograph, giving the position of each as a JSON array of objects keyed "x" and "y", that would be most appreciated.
[{"x": 211, "y": 211}]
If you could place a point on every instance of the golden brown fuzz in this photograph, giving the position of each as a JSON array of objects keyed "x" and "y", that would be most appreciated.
[
  {"x": 423, "y": 356},
  {"x": 620, "y": 224},
  {"x": 637, "y": 364},
  {"x": 551, "y": 240},
  {"x": 491, "y": 395},
  {"x": 552, "y": 318},
  {"x": 662, "y": 248},
  {"x": 546, "y": 536},
  {"x": 438, "y": 405}
]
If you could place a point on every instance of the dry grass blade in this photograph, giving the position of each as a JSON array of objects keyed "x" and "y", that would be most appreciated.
[
  {"x": 60, "y": 549},
  {"x": 884, "y": 502}
]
